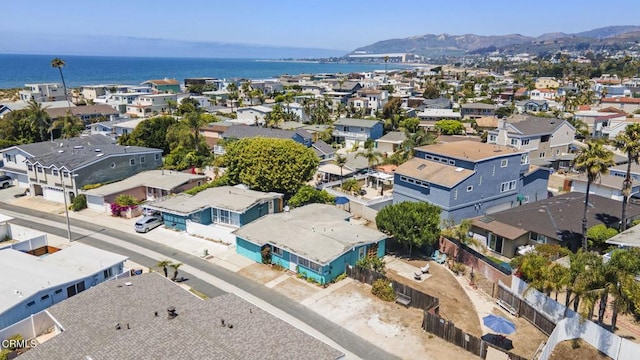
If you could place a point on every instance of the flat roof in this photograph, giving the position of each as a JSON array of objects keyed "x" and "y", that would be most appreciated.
[
  {"x": 469, "y": 150},
  {"x": 31, "y": 274},
  {"x": 356, "y": 122},
  {"x": 434, "y": 172},
  {"x": 629, "y": 237},
  {"x": 89, "y": 320},
  {"x": 224, "y": 197},
  {"x": 317, "y": 232},
  {"x": 159, "y": 179}
]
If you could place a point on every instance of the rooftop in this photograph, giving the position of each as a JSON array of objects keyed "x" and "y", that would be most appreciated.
[
  {"x": 31, "y": 274},
  {"x": 224, "y": 197},
  {"x": 606, "y": 180},
  {"x": 469, "y": 150},
  {"x": 395, "y": 137},
  {"x": 629, "y": 237},
  {"x": 357, "y": 122},
  {"x": 433, "y": 172},
  {"x": 244, "y": 131},
  {"x": 159, "y": 179},
  {"x": 317, "y": 232},
  {"x": 98, "y": 110},
  {"x": 533, "y": 125},
  {"x": 89, "y": 320},
  {"x": 162, "y": 82},
  {"x": 478, "y": 106}
]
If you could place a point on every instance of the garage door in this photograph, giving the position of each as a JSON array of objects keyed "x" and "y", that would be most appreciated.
[
  {"x": 95, "y": 202},
  {"x": 53, "y": 194},
  {"x": 23, "y": 181}
]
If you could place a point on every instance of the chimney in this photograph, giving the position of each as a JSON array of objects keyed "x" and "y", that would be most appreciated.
[{"x": 171, "y": 312}]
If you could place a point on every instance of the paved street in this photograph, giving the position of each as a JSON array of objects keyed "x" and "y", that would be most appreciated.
[{"x": 204, "y": 276}]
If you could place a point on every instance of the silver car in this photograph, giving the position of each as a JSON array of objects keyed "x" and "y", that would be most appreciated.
[{"x": 147, "y": 223}]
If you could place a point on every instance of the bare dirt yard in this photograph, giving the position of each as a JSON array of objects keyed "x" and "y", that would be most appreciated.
[
  {"x": 576, "y": 350},
  {"x": 260, "y": 273},
  {"x": 297, "y": 289}
]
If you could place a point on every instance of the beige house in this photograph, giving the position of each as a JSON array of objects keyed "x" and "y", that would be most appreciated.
[{"x": 547, "y": 83}]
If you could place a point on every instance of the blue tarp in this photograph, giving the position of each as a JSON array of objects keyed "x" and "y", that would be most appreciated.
[{"x": 341, "y": 200}]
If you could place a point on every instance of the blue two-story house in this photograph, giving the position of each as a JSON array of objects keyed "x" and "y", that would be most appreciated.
[
  {"x": 351, "y": 131},
  {"x": 317, "y": 241},
  {"x": 216, "y": 212},
  {"x": 467, "y": 178}
]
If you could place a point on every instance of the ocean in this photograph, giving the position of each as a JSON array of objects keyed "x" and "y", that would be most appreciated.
[{"x": 17, "y": 70}]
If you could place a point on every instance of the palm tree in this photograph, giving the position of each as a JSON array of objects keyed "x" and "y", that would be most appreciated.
[
  {"x": 59, "y": 63},
  {"x": 629, "y": 143},
  {"x": 70, "y": 126},
  {"x": 175, "y": 268},
  {"x": 372, "y": 156},
  {"x": 595, "y": 160},
  {"x": 341, "y": 161},
  {"x": 413, "y": 140},
  {"x": 623, "y": 267},
  {"x": 194, "y": 121},
  {"x": 38, "y": 119},
  {"x": 164, "y": 264}
]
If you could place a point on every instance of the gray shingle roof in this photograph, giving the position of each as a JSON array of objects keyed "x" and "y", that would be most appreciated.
[
  {"x": 533, "y": 125},
  {"x": 357, "y": 122},
  {"x": 76, "y": 152},
  {"x": 89, "y": 320},
  {"x": 322, "y": 148},
  {"x": 244, "y": 131}
]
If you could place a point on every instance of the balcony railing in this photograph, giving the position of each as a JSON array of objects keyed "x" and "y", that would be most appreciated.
[{"x": 351, "y": 135}]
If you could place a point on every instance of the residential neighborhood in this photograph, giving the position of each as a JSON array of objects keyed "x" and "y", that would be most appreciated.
[{"x": 368, "y": 214}]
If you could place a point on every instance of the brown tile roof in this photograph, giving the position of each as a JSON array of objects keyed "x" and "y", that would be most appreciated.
[
  {"x": 498, "y": 228},
  {"x": 621, "y": 100},
  {"x": 162, "y": 82},
  {"x": 611, "y": 109},
  {"x": 487, "y": 122},
  {"x": 433, "y": 172},
  {"x": 469, "y": 150},
  {"x": 99, "y": 110}
]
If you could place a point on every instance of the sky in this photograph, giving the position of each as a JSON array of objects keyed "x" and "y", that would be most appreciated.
[{"x": 321, "y": 24}]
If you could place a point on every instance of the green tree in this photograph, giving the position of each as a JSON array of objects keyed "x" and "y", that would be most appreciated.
[
  {"x": 270, "y": 164},
  {"x": 16, "y": 128},
  {"x": 39, "y": 119},
  {"x": 69, "y": 126},
  {"x": 410, "y": 124},
  {"x": 188, "y": 105},
  {"x": 310, "y": 195},
  {"x": 622, "y": 269},
  {"x": 413, "y": 140},
  {"x": 431, "y": 92},
  {"x": 150, "y": 133},
  {"x": 175, "y": 267},
  {"x": 351, "y": 186},
  {"x": 594, "y": 160},
  {"x": 194, "y": 122},
  {"x": 505, "y": 111},
  {"x": 598, "y": 234},
  {"x": 450, "y": 127},
  {"x": 341, "y": 161},
  {"x": 410, "y": 223},
  {"x": 164, "y": 264},
  {"x": 629, "y": 143},
  {"x": 370, "y": 153}
]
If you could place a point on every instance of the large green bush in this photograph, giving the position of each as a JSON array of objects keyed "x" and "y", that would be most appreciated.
[{"x": 383, "y": 289}]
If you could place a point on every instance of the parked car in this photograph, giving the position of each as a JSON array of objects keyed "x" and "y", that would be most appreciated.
[
  {"x": 150, "y": 212},
  {"x": 5, "y": 181},
  {"x": 148, "y": 223}
]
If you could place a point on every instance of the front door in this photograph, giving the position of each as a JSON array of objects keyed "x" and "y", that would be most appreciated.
[{"x": 293, "y": 262}]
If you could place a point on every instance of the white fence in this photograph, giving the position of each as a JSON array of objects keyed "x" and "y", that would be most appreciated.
[
  {"x": 573, "y": 326},
  {"x": 212, "y": 231},
  {"x": 31, "y": 327}
]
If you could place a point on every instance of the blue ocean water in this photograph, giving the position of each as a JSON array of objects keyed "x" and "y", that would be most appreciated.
[{"x": 16, "y": 70}]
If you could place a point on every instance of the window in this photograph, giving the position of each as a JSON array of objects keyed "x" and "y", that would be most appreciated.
[
  {"x": 504, "y": 162},
  {"x": 480, "y": 181},
  {"x": 455, "y": 194},
  {"x": 55, "y": 172},
  {"x": 525, "y": 142},
  {"x": 107, "y": 273},
  {"x": 493, "y": 172},
  {"x": 44, "y": 298},
  {"x": 508, "y": 186},
  {"x": 361, "y": 252},
  {"x": 538, "y": 237},
  {"x": 132, "y": 161},
  {"x": 524, "y": 159},
  {"x": 514, "y": 142},
  {"x": 492, "y": 138},
  {"x": 31, "y": 303},
  {"x": 142, "y": 159},
  {"x": 157, "y": 156},
  {"x": 39, "y": 169},
  {"x": 545, "y": 138},
  {"x": 541, "y": 154},
  {"x": 58, "y": 291},
  {"x": 65, "y": 174},
  {"x": 225, "y": 216},
  {"x": 29, "y": 167},
  {"x": 470, "y": 188},
  {"x": 10, "y": 158},
  {"x": 452, "y": 162},
  {"x": 309, "y": 264},
  {"x": 276, "y": 250},
  {"x": 113, "y": 165}
]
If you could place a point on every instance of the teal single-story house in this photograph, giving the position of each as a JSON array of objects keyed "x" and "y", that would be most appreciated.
[
  {"x": 316, "y": 240},
  {"x": 215, "y": 212}
]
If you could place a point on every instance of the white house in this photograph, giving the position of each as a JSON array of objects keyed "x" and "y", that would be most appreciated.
[
  {"x": 43, "y": 92},
  {"x": 252, "y": 115},
  {"x": 146, "y": 105},
  {"x": 543, "y": 94}
]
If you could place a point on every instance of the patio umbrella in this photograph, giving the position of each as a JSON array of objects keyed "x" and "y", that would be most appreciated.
[{"x": 498, "y": 324}]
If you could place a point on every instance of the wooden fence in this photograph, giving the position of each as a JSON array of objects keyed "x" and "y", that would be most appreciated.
[{"x": 526, "y": 311}]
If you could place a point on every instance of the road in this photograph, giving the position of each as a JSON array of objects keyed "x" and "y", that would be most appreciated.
[{"x": 202, "y": 275}]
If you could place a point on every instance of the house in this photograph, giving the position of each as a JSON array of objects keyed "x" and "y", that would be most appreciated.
[
  {"x": 143, "y": 186},
  {"x": 147, "y": 105},
  {"x": 468, "y": 178},
  {"x": 390, "y": 143},
  {"x": 602, "y": 124},
  {"x": 300, "y": 136},
  {"x": 54, "y": 168},
  {"x": 43, "y": 92},
  {"x": 317, "y": 241},
  {"x": 164, "y": 86},
  {"x": 486, "y": 123},
  {"x": 215, "y": 212},
  {"x": 543, "y": 94},
  {"x": 116, "y": 128},
  {"x": 532, "y": 106},
  {"x": 47, "y": 275},
  {"x": 252, "y": 115},
  {"x": 145, "y": 310},
  {"x": 607, "y": 185},
  {"x": 476, "y": 110},
  {"x": 556, "y": 220},
  {"x": 349, "y": 131},
  {"x": 542, "y": 137},
  {"x": 87, "y": 113},
  {"x": 323, "y": 150},
  {"x": 375, "y": 99},
  {"x": 629, "y": 105},
  {"x": 120, "y": 100},
  {"x": 438, "y": 114},
  {"x": 546, "y": 83}
]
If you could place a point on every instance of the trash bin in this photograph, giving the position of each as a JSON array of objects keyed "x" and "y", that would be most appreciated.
[{"x": 205, "y": 252}]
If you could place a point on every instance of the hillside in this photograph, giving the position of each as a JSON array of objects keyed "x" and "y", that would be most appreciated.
[{"x": 431, "y": 45}]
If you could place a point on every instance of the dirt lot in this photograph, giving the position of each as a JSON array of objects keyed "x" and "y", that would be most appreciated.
[
  {"x": 260, "y": 273},
  {"x": 576, "y": 350},
  {"x": 296, "y": 289},
  {"x": 390, "y": 326}
]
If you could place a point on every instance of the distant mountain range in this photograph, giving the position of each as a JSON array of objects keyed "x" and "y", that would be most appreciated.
[{"x": 431, "y": 45}]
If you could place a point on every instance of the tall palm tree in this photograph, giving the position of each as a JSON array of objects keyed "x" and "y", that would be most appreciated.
[
  {"x": 194, "y": 121},
  {"x": 70, "y": 126},
  {"x": 594, "y": 160},
  {"x": 59, "y": 64},
  {"x": 629, "y": 143},
  {"x": 413, "y": 140},
  {"x": 39, "y": 119},
  {"x": 623, "y": 267},
  {"x": 341, "y": 161},
  {"x": 164, "y": 264}
]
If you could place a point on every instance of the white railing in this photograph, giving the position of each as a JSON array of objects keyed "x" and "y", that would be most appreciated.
[
  {"x": 351, "y": 135},
  {"x": 126, "y": 273}
]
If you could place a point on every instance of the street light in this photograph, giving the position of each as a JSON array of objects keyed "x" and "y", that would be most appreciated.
[{"x": 66, "y": 206}]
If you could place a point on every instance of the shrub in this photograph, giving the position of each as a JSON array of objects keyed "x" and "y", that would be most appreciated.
[
  {"x": 341, "y": 277},
  {"x": 372, "y": 263},
  {"x": 458, "y": 268},
  {"x": 221, "y": 181},
  {"x": 383, "y": 289},
  {"x": 266, "y": 255},
  {"x": 4, "y": 354},
  {"x": 126, "y": 200},
  {"x": 600, "y": 233},
  {"x": 79, "y": 203}
]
